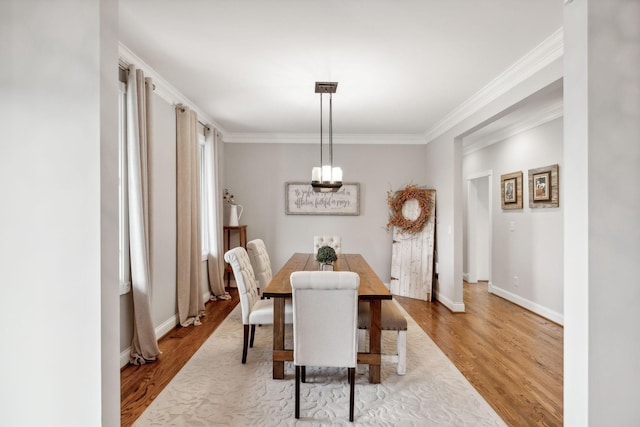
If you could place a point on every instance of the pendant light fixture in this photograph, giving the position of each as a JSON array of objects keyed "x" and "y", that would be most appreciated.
[{"x": 326, "y": 178}]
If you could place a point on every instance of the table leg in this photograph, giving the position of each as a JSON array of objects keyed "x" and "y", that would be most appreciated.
[
  {"x": 278, "y": 336},
  {"x": 375, "y": 338}
]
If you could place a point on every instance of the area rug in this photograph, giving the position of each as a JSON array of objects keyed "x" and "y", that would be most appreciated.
[{"x": 215, "y": 389}]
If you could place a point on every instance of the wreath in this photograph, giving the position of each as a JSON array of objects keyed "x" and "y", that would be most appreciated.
[{"x": 397, "y": 200}]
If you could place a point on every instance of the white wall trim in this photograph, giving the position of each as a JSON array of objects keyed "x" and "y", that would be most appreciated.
[
  {"x": 456, "y": 307},
  {"x": 163, "y": 88},
  {"x": 544, "y": 54},
  {"x": 536, "y": 308},
  {"x": 312, "y": 138},
  {"x": 160, "y": 331},
  {"x": 482, "y": 174},
  {"x": 539, "y": 118}
]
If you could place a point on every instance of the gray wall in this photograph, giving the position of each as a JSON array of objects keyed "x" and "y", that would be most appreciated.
[
  {"x": 256, "y": 175},
  {"x": 602, "y": 202},
  {"x": 444, "y": 173},
  {"x": 533, "y": 251},
  {"x": 58, "y": 228}
]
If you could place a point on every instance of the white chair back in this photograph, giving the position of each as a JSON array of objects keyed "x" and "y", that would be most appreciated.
[
  {"x": 334, "y": 241},
  {"x": 260, "y": 262},
  {"x": 325, "y": 318},
  {"x": 245, "y": 280}
]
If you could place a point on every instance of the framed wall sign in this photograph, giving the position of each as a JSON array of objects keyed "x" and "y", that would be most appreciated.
[
  {"x": 543, "y": 187},
  {"x": 511, "y": 189},
  {"x": 300, "y": 199}
]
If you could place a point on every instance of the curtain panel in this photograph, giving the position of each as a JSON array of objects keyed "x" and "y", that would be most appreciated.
[
  {"x": 144, "y": 346},
  {"x": 215, "y": 261},
  {"x": 189, "y": 250}
]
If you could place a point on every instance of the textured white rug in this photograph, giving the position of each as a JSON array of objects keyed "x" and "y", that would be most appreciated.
[{"x": 215, "y": 389}]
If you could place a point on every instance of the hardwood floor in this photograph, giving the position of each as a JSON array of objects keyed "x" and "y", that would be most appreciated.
[
  {"x": 139, "y": 385},
  {"x": 510, "y": 355},
  {"x": 513, "y": 357}
]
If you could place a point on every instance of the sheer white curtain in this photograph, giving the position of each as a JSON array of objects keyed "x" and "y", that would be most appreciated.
[
  {"x": 190, "y": 300},
  {"x": 213, "y": 177},
  {"x": 144, "y": 346}
]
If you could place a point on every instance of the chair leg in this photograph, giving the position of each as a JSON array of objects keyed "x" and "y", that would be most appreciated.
[
  {"x": 297, "y": 392},
  {"x": 401, "y": 368},
  {"x": 253, "y": 334},
  {"x": 352, "y": 381},
  {"x": 245, "y": 343},
  {"x": 304, "y": 374}
]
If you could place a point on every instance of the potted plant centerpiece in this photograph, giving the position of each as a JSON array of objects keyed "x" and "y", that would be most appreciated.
[{"x": 326, "y": 256}]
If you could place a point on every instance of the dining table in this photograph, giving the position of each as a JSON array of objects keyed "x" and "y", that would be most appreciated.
[{"x": 371, "y": 291}]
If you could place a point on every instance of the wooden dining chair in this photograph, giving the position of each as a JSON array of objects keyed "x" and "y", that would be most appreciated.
[
  {"x": 334, "y": 241},
  {"x": 260, "y": 263},
  {"x": 255, "y": 311},
  {"x": 325, "y": 317}
]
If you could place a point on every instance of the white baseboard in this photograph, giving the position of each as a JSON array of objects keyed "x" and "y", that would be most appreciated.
[
  {"x": 124, "y": 357},
  {"x": 465, "y": 276},
  {"x": 456, "y": 307},
  {"x": 160, "y": 331},
  {"x": 540, "y": 310}
]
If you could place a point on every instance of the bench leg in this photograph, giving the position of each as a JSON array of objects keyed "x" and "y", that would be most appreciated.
[
  {"x": 362, "y": 333},
  {"x": 401, "y": 369}
]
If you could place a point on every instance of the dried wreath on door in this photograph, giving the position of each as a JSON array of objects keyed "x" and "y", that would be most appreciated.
[{"x": 396, "y": 201}]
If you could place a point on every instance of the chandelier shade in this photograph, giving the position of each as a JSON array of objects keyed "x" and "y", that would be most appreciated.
[{"x": 326, "y": 178}]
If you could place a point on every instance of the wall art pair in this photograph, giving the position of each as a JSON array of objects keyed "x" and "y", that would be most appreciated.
[{"x": 543, "y": 188}]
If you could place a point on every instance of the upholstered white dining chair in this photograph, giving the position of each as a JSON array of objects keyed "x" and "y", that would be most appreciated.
[
  {"x": 260, "y": 263},
  {"x": 325, "y": 317},
  {"x": 391, "y": 320},
  {"x": 255, "y": 311},
  {"x": 334, "y": 241}
]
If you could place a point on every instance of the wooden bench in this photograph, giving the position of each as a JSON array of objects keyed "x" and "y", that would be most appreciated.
[{"x": 392, "y": 320}]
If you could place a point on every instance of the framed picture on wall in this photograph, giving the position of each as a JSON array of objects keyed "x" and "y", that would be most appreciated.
[
  {"x": 300, "y": 199},
  {"x": 511, "y": 190},
  {"x": 543, "y": 187}
]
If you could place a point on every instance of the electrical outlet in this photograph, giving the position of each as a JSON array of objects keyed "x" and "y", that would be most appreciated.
[{"x": 515, "y": 281}]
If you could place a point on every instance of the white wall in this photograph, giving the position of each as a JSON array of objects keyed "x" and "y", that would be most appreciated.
[
  {"x": 443, "y": 168},
  {"x": 256, "y": 175},
  {"x": 58, "y": 283},
  {"x": 527, "y": 243},
  {"x": 483, "y": 243},
  {"x": 162, "y": 187},
  {"x": 602, "y": 206},
  {"x": 444, "y": 173},
  {"x": 477, "y": 226}
]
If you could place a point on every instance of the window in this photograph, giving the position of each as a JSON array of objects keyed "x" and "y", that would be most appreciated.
[
  {"x": 204, "y": 192},
  {"x": 123, "y": 195}
]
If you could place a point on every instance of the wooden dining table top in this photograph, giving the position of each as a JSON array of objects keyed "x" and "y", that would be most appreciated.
[{"x": 371, "y": 287}]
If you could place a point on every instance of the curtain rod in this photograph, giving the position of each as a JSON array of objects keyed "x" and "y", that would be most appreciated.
[{"x": 183, "y": 108}]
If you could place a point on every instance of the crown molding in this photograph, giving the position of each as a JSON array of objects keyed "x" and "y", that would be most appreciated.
[
  {"x": 544, "y": 115},
  {"x": 542, "y": 55},
  {"x": 308, "y": 138},
  {"x": 163, "y": 88}
]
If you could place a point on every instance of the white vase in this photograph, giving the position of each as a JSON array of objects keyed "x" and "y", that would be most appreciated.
[
  {"x": 234, "y": 216},
  {"x": 326, "y": 266}
]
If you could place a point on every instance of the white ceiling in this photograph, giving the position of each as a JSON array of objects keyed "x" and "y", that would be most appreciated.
[{"x": 402, "y": 65}]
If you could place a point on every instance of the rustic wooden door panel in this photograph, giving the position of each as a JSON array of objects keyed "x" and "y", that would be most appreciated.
[{"x": 412, "y": 257}]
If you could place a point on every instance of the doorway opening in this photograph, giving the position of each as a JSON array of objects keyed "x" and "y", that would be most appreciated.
[{"x": 477, "y": 260}]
